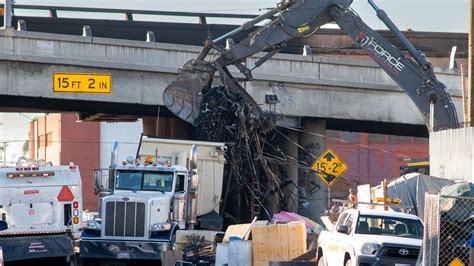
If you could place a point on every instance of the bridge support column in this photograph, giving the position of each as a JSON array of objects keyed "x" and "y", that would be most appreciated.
[
  {"x": 291, "y": 150},
  {"x": 169, "y": 127},
  {"x": 313, "y": 192}
]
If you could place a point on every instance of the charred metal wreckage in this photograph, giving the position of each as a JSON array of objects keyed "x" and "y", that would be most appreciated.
[{"x": 227, "y": 117}]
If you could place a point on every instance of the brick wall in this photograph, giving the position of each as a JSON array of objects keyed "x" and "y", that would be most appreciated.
[
  {"x": 372, "y": 157},
  {"x": 62, "y": 140}
]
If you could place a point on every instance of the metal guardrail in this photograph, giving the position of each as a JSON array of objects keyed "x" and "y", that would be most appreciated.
[{"x": 53, "y": 12}]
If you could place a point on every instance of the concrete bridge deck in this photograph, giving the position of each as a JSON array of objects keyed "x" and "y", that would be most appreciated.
[{"x": 307, "y": 86}]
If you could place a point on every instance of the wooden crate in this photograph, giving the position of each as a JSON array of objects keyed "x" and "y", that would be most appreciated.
[
  {"x": 278, "y": 242},
  {"x": 237, "y": 230}
]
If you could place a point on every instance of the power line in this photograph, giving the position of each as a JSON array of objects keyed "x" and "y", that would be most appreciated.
[
  {"x": 237, "y": 9},
  {"x": 27, "y": 117},
  {"x": 345, "y": 141},
  {"x": 79, "y": 142}
]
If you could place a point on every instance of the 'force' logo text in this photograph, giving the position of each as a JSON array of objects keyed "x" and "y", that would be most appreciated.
[{"x": 370, "y": 44}]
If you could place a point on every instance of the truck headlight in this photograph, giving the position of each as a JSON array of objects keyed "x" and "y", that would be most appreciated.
[
  {"x": 92, "y": 225},
  {"x": 369, "y": 248},
  {"x": 160, "y": 227}
]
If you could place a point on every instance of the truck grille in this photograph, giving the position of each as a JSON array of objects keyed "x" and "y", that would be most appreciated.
[
  {"x": 400, "y": 252},
  {"x": 125, "y": 219}
]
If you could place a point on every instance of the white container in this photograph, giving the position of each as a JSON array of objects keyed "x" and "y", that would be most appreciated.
[
  {"x": 240, "y": 253},
  {"x": 222, "y": 254}
]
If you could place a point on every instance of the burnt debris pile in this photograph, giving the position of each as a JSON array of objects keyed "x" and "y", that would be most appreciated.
[{"x": 251, "y": 177}]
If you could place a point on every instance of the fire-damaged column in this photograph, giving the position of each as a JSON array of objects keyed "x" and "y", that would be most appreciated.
[
  {"x": 312, "y": 191},
  {"x": 290, "y": 172}
]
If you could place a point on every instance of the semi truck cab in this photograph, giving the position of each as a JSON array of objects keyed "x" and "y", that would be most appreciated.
[
  {"x": 135, "y": 220},
  {"x": 146, "y": 199}
]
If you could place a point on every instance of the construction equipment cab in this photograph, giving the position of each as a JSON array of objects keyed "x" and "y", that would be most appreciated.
[
  {"x": 40, "y": 211},
  {"x": 302, "y": 18},
  {"x": 421, "y": 166}
]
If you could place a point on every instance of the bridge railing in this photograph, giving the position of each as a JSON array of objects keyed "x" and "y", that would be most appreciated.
[{"x": 53, "y": 12}]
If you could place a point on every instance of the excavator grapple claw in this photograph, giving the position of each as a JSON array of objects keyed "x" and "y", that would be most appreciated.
[{"x": 183, "y": 97}]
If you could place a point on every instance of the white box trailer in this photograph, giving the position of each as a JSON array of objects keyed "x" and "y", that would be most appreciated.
[
  {"x": 210, "y": 163},
  {"x": 40, "y": 211}
]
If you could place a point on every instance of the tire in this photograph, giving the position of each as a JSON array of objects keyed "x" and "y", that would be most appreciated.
[
  {"x": 173, "y": 245},
  {"x": 348, "y": 262},
  {"x": 71, "y": 261},
  {"x": 90, "y": 262},
  {"x": 320, "y": 261}
]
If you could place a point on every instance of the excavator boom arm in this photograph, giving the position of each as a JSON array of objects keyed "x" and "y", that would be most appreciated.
[
  {"x": 415, "y": 77},
  {"x": 300, "y": 18}
]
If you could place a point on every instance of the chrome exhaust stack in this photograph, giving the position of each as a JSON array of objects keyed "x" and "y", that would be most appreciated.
[
  {"x": 191, "y": 195},
  {"x": 108, "y": 189}
]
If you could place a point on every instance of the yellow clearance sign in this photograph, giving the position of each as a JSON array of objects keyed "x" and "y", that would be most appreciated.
[
  {"x": 82, "y": 83},
  {"x": 329, "y": 167}
]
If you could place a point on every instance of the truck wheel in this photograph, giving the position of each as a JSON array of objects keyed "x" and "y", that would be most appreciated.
[
  {"x": 173, "y": 245},
  {"x": 348, "y": 262},
  {"x": 71, "y": 263},
  {"x": 320, "y": 261},
  {"x": 90, "y": 262}
]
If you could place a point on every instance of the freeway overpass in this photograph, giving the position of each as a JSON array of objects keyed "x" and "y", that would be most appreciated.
[{"x": 350, "y": 94}]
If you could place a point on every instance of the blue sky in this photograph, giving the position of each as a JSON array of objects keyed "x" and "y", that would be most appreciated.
[{"x": 419, "y": 15}]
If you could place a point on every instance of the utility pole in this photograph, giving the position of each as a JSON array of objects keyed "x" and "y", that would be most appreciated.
[
  {"x": 465, "y": 115},
  {"x": 7, "y": 14},
  {"x": 470, "y": 70}
]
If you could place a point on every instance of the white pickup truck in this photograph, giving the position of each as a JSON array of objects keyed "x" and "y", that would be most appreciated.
[{"x": 371, "y": 237}]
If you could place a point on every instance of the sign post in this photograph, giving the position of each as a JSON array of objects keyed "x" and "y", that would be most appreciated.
[{"x": 329, "y": 199}]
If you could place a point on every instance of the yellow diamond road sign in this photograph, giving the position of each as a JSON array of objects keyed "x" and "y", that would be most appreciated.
[
  {"x": 456, "y": 262},
  {"x": 329, "y": 167}
]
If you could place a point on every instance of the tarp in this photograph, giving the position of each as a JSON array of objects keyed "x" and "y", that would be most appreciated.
[
  {"x": 458, "y": 202},
  {"x": 411, "y": 189},
  {"x": 291, "y": 216}
]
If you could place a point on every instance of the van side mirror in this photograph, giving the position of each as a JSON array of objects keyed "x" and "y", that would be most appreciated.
[
  {"x": 3, "y": 225},
  {"x": 97, "y": 181},
  {"x": 343, "y": 229}
]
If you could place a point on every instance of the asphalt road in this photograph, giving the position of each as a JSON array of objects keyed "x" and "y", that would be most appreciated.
[{"x": 79, "y": 262}]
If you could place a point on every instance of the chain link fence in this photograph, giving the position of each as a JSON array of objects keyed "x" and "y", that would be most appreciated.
[{"x": 449, "y": 223}]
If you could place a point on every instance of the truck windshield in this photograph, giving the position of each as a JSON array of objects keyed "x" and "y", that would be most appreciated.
[
  {"x": 392, "y": 226},
  {"x": 144, "y": 180}
]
